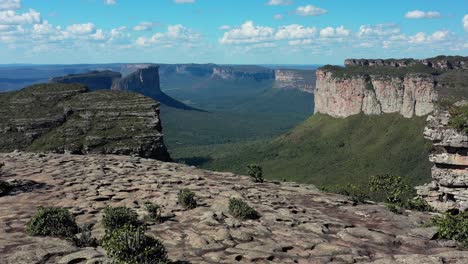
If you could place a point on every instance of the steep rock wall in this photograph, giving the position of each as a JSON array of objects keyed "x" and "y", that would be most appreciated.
[
  {"x": 95, "y": 80},
  {"x": 413, "y": 94},
  {"x": 295, "y": 79}
]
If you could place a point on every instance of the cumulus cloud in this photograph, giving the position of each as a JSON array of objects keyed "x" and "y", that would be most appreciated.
[
  {"x": 184, "y": 1},
  {"x": 422, "y": 37},
  {"x": 224, "y": 27},
  {"x": 175, "y": 34},
  {"x": 10, "y": 17},
  {"x": 10, "y": 4},
  {"x": 310, "y": 10},
  {"x": 279, "y": 2},
  {"x": 330, "y": 32},
  {"x": 418, "y": 14},
  {"x": 110, "y": 2},
  {"x": 465, "y": 22},
  {"x": 378, "y": 30},
  {"x": 247, "y": 33},
  {"x": 144, "y": 26},
  {"x": 81, "y": 29},
  {"x": 295, "y": 31}
]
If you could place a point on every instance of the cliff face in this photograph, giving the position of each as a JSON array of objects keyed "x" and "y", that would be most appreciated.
[
  {"x": 440, "y": 62},
  {"x": 295, "y": 79},
  {"x": 449, "y": 188},
  {"x": 144, "y": 81},
  {"x": 95, "y": 80},
  {"x": 373, "y": 95},
  {"x": 243, "y": 72},
  {"x": 67, "y": 118}
]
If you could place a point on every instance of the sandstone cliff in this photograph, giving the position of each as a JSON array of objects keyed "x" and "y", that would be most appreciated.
[
  {"x": 373, "y": 87},
  {"x": 256, "y": 73},
  {"x": 95, "y": 80},
  {"x": 67, "y": 118},
  {"x": 297, "y": 224},
  {"x": 449, "y": 188},
  {"x": 303, "y": 80}
]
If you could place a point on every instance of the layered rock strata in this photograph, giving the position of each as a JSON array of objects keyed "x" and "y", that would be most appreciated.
[
  {"x": 440, "y": 62},
  {"x": 303, "y": 80},
  {"x": 67, "y": 118},
  {"x": 411, "y": 95},
  {"x": 449, "y": 187},
  {"x": 297, "y": 224}
]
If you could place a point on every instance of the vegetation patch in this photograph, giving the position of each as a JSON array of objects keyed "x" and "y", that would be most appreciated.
[
  {"x": 186, "y": 198},
  {"x": 255, "y": 172},
  {"x": 130, "y": 245},
  {"x": 5, "y": 188},
  {"x": 116, "y": 217},
  {"x": 153, "y": 210},
  {"x": 453, "y": 226},
  {"x": 52, "y": 221},
  {"x": 240, "y": 209},
  {"x": 85, "y": 237},
  {"x": 459, "y": 118}
]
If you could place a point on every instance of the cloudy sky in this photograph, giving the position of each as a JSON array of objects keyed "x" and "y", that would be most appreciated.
[{"x": 229, "y": 31}]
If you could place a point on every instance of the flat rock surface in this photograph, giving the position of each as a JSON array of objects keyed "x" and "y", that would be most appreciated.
[{"x": 298, "y": 223}]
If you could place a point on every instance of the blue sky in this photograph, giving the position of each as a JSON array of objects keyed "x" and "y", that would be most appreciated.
[{"x": 229, "y": 31}]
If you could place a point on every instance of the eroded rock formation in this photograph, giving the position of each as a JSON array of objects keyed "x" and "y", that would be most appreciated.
[
  {"x": 67, "y": 118},
  {"x": 297, "y": 224},
  {"x": 449, "y": 188},
  {"x": 440, "y": 62},
  {"x": 243, "y": 72},
  {"x": 413, "y": 94},
  {"x": 95, "y": 80},
  {"x": 303, "y": 80}
]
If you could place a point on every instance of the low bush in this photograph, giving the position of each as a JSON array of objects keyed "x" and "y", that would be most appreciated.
[
  {"x": 392, "y": 187},
  {"x": 459, "y": 119},
  {"x": 357, "y": 193},
  {"x": 153, "y": 210},
  {"x": 256, "y": 172},
  {"x": 187, "y": 199},
  {"x": 418, "y": 204},
  {"x": 52, "y": 221},
  {"x": 85, "y": 238},
  {"x": 453, "y": 226},
  {"x": 116, "y": 217},
  {"x": 5, "y": 188},
  {"x": 130, "y": 245},
  {"x": 240, "y": 209}
]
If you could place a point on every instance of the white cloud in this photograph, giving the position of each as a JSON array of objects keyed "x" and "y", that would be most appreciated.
[
  {"x": 175, "y": 34},
  {"x": 278, "y": 16},
  {"x": 144, "y": 26},
  {"x": 110, "y": 2},
  {"x": 465, "y": 22},
  {"x": 422, "y": 37},
  {"x": 10, "y": 17},
  {"x": 330, "y": 32},
  {"x": 184, "y": 1},
  {"x": 82, "y": 29},
  {"x": 224, "y": 27},
  {"x": 279, "y": 2},
  {"x": 300, "y": 42},
  {"x": 10, "y": 4},
  {"x": 247, "y": 33},
  {"x": 310, "y": 10},
  {"x": 378, "y": 30},
  {"x": 295, "y": 31},
  {"x": 418, "y": 14}
]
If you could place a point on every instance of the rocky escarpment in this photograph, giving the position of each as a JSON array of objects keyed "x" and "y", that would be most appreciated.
[
  {"x": 373, "y": 87},
  {"x": 297, "y": 224},
  {"x": 95, "y": 80},
  {"x": 449, "y": 188},
  {"x": 256, "y": 73},
  {"x": 440, "y": 62},
  {"x": 68, "y": 118},
  {"x": 303, "y": 80}
]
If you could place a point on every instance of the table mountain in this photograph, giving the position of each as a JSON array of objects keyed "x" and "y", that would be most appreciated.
[{"x": 95, "y": 80}]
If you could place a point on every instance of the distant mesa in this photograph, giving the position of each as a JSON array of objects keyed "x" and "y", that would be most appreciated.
[
  {"x": 67, "y": 118},
  {"x": 95, "y": 80}
]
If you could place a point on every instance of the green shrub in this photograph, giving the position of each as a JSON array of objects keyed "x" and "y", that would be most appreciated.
[
  {"x": 240, "y": 209},
  {"x": 130, "y": 245},
  {"x": 153, "y": 210},
  {"x": 357, "y": 193},
  {"x": 116, "y": 217},
  {"x": 5, "y": 188},
  {"x": 394, "y": 208},
  {"x": 418, "y": 204},
  {"x": 459, "y": 119},
  {"x": 256, "y": 172},
  {"x": 52, "y": 221},
  {"x": 85, "y": 238},
  {"x": 394, "y": 188},
  {"x": 187, "y": 199},
  {"x": 453, "y": 226}
]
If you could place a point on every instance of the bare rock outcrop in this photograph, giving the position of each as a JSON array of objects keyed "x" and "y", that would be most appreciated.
[
  {"x": 95, "y": 80},
  {"x": 297, "y": 224},
  {"x": 449, "y": 187},
  {"x": 303, "y": 80},
  {"x": 67, "y": 118},
  {"x": 256, "y": 73},
  {"x": 440, "y": 62}
]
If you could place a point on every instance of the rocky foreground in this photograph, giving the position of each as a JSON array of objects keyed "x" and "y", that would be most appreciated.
[{"x": 298, "y": 223}]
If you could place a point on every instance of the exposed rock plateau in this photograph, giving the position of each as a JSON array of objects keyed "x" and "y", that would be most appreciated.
[
  {"x": 95, "y": 80},
  {"x": 373, "y": 87},
  {"x": 298, "y": 223},
  {"x": 67, "y": 118},
  {"x": 303, "y": 80},
  {"x": 449, "y": 188}
]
